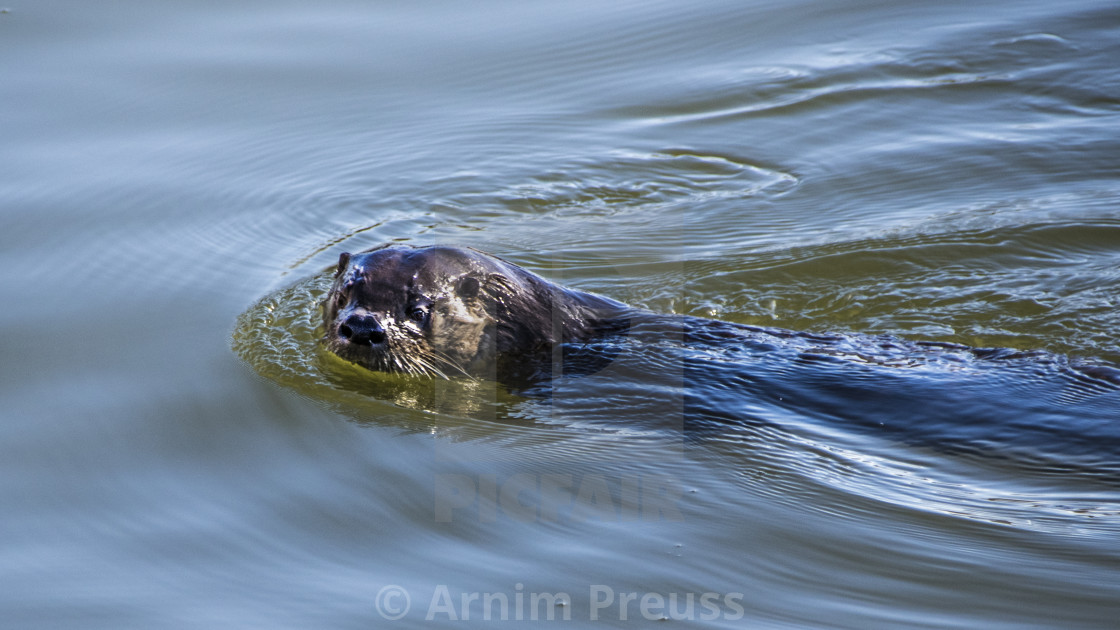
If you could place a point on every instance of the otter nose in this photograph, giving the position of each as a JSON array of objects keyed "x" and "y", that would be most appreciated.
[{"x": 362, "y": 330}]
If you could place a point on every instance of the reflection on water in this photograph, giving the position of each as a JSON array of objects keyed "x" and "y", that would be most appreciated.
[{"x": 933, "y": 172}]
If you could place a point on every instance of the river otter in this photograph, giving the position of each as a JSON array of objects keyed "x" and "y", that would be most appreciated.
[{"x": 445, "y": 311}]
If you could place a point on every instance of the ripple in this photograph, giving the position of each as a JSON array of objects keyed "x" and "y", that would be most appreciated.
[
  {"x": 729, "y": 93},
  {"x": 786, "y": 464},
  {"x": 622, "y": 181}
]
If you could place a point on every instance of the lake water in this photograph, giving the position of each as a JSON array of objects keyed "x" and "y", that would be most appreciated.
[{"x": 174, "y": 180}]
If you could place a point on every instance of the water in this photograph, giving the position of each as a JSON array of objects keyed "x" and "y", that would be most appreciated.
[{"x": 934, "y": 172}]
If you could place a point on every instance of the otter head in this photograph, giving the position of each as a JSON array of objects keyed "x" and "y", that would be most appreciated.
[{"x": 411, "y": 310}]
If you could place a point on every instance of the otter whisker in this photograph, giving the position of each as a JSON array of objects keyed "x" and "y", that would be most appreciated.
[
  {"x": 430, "y": 367},
  {"x": 405, "y": 365},
  {"x": 447, "y": 361}
]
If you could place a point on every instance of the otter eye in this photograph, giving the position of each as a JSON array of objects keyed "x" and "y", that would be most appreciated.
[
  {"x": 340, "y": 301},
  {"x": 418, "y": 314}
]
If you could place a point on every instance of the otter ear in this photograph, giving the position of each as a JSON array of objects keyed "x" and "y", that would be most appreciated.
[
  {"x": 497, "y": 284},
  {"x": 467, "y": 288},
  {"x": 343, "y": 263}
]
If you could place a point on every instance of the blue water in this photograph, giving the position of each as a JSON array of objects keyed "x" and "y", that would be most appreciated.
[{"x": 174, "y": 180}]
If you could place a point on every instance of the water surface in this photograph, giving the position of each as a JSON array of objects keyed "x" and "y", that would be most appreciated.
[{"x": 936, "y": 172}]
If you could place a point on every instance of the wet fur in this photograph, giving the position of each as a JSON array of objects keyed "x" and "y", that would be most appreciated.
[{"x": 485, "y": 317}]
